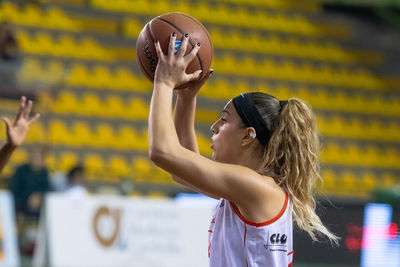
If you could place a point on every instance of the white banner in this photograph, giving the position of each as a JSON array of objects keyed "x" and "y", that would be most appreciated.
[
  {"x": 116, "y": 231},
  {"x": 9, "y": 255}
]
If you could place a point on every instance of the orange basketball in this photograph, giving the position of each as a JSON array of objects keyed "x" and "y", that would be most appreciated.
[{"x": 161, "y": 28}]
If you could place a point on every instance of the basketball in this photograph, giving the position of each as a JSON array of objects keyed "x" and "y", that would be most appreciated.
[{"x": 160, "y": 28}]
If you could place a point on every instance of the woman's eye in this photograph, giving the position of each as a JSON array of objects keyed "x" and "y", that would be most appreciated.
[{"x": 223, "y": 119}]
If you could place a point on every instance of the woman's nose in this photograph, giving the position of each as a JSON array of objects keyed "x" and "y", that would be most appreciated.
[{"x": 212, "y": 128}]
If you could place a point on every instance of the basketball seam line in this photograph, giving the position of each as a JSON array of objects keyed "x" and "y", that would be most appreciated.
[{"x": 173, "y": 25}]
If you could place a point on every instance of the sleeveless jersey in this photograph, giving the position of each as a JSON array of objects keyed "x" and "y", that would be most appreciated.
[{"x": 234, "y": 241}]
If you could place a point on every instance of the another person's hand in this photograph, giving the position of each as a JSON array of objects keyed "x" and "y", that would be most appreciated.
[
  {"x": 16, "y": 131},
  {"x": 171, "y": 67}
]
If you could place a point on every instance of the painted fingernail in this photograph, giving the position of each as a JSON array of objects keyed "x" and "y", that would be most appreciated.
[
  {"x": 186, "y": 35},
  {"x": 198, "y": 44},
  {"x": 173, "y": 34}
]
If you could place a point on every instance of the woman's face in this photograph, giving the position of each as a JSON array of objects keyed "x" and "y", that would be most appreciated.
[{"x": 228, "y": 132}]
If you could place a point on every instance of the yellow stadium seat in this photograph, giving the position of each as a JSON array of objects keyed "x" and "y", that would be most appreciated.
[
  {"x": 118, "y": 166},
  {"x": 94, "y": 165},
  {"x": 79, "y": 75},
  {"x": 141, "y": 169},
  {"x": 105, "y": 136},
  {"x": 82, "y": 135},
  {"x": 101, "y": 77},
  {"x": 59, "y": 133},
  {"x": 127, "y": 138},
  {"x": 35, "y": 134},
  {"x": 114, "y": 107},
  {"x": 91, "y": 105},
  {"x": 137, "y": 109},
  {"x": 368, "y": 182},
  {"x": 67, "y": 161},
  {"x": 66, "y": 103}
]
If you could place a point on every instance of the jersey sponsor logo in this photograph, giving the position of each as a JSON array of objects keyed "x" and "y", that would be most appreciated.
[{"x": 276, "y": 242}]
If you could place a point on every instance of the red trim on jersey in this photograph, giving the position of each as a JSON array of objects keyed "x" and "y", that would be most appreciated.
[
  {"x": 291, "y": 252},
  {"x": 290, "y": 265},
  {"x": 209, "y": 248},
  {"x": 210, "y": 231},
  {"x": 236, "y": 210}
]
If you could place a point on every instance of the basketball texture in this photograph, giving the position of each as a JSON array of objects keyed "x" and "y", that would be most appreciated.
[{"x": 161, "y": 28}]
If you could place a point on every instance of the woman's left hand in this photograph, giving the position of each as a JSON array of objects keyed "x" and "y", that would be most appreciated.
[
  {"x": 17, "y": 131},
  {"x": 171, "y": 67}
]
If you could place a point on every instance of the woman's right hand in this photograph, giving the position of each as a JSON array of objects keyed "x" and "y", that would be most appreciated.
[{"x": 171, "y": 67}]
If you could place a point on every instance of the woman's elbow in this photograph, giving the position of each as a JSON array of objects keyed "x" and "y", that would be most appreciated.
[{"x": 155, "y": 155}]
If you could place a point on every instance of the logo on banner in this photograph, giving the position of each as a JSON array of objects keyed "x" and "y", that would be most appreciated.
[{"x": 106, "y": 225}]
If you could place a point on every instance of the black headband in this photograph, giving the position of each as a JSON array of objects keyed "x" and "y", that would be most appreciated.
[{"x": 246, "y": 109}]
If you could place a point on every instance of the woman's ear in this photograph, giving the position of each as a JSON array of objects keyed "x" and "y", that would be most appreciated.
[{"x": 249, "y": 136}]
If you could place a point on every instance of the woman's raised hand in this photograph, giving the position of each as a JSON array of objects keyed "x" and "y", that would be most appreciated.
[{"x": 171, "y": 67}]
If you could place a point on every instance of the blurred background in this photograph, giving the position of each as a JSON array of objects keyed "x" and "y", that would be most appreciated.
[{"x": 77, "y": 60}]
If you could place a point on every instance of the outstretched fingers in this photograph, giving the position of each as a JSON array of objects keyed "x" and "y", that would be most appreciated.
[
  {"x": 27, "y": 109},
  {"x": 184, "y": 45},
  {"x": 160, "y": 53},
  {"x": 171, "y": 47},
  {"x": 34, "y": 119},
  {"x": 192, "y": 53},
  {"x": 21, "y": 108}
]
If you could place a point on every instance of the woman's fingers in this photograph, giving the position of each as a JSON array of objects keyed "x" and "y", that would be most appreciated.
[
  {"x": 171, "y": 48},
  {"x": 27, "y": 109},
  {"x": 34, "y": 119},
  {"x": 184, "y": 45},
  {"x": 21, "y": 108},
  {"x": 192, "y": 53},
  {"x": 194, "y": 76},
  {"x": 160, "y": 53}
]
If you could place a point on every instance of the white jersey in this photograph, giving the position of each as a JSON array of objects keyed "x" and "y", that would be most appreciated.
[{"x": 234, "y": 241}]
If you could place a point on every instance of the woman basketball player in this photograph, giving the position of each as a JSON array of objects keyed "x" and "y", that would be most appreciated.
[
  {"x": 265, "y": 165},
  {"x": 17, "y": 130}
]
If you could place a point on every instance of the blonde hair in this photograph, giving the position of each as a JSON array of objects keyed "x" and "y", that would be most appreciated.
[{"x": 291, "y": 157}]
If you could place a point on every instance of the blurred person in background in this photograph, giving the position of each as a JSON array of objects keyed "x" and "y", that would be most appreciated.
[
  {"x": 29, "y": 184},
  {"x": 75, "y": 181},
  {"x": 16, "y": 131}
]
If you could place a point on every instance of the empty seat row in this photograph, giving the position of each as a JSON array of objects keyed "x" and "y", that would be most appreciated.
[
  {"x": 275, "y": 45},
  {"x": 54, "y": 18},
  {"x": 140, "y": 169},
  {"x": 80, "y": 134},
  {"x": 78, "y": 74},
  {"x": 222, "y": 89},
  {"x": 369, "y": 155},
  {"x": 247, "y": 67},
  {"x": 92, "y": 105},
  {"x": 223, "y": 14},
  {"x": 288, "y": 70},
  {"x": 111, "y": 168},
  {"x": 309, "y": 6},
  {"x": 347, "y": 183},
  {"x": 67, "y": 46}
]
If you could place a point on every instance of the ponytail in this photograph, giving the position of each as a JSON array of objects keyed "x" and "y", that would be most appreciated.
[{"x": 291, "y": 157}]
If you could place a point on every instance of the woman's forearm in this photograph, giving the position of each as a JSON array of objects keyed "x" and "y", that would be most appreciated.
[
  {"x": 162, "y": 133},
  {"x": 5, "y": 154},
  {"x": 184, "y": 117}
]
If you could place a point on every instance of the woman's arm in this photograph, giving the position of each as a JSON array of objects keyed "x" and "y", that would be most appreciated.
[
  {"x": 184, "y": 117},
  {"x": 16, "y": 131},
  {"x": 233, "y": 182}
]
